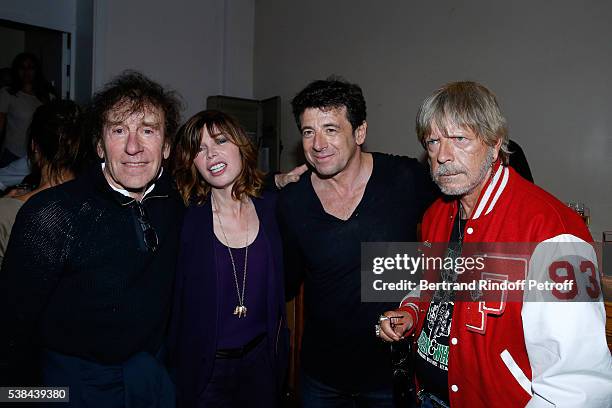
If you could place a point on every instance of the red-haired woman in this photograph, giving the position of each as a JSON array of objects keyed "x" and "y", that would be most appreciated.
[{"x": 228, "y": 332}]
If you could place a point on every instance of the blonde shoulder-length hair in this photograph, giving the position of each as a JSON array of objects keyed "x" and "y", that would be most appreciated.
[{"x": 464, "y": 104}]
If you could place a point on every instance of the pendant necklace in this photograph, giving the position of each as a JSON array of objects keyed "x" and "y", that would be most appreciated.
[{"x": 240, "y": 310}]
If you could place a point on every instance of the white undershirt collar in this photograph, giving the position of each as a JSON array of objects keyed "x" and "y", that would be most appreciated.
[{"x": 127, "y": 193}]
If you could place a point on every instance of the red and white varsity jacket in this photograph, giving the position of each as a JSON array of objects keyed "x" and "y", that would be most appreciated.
[{"x": 516, "y": 354}]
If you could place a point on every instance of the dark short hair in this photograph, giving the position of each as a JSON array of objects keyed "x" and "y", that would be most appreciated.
[
  {"x": 190, "y": 183},
  {"x": 330, "y": 93},
  {"x": 54, "y": 139},
  {"x": 134, "y": 92}
]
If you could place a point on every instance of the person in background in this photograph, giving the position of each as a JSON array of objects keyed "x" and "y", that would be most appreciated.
[
  {"x": 28, "y": 90},
  {"x": 5, "y": 77},
  {"x": 518, "y": 161},
  {"x": 13, "y": 173},
  {"x": 54, "y": 141},
  {"x": 228, "y": 337},
  {"x": 478, "y": 351},
  {"x": 87, "y": 279}
]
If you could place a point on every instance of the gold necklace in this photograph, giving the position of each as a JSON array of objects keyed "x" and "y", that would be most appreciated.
[{"x": 240, "y": 310}]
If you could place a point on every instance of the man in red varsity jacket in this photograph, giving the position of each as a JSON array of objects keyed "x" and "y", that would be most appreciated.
[{"x": 544, "y": 352}]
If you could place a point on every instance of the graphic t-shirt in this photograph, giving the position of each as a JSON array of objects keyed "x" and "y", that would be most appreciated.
[{"x": 433, "y": 342}]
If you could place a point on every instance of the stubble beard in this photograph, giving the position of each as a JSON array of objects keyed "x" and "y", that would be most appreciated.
[{"x": 444, "y": 169}]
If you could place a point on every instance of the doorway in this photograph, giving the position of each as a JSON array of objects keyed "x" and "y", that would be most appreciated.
[{"x": 52, "y": 48}]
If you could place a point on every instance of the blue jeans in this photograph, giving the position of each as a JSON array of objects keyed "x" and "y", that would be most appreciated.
[
  {"x": 315, "y": 394},
  {"x": 139, "y": 382},
  {"x": 426, "y": 402}
]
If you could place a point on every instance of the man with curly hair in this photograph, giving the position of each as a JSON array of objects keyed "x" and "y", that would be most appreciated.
[{"x": 87, "y": 279}]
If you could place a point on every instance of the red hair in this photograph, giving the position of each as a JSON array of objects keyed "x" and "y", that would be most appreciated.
[{"x": 191, "y": 185}]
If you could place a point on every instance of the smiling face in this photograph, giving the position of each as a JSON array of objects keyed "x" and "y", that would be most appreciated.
[
  {"x": 219, "y": 160},
  {"x": 328, "y": 139},
  {"x": 133, "y": 147},
  {"x": 460, "y": 162}
]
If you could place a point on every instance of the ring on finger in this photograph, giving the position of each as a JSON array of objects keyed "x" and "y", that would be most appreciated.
[{"x": 382, "y": 318}]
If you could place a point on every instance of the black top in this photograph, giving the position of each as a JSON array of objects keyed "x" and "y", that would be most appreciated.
[
  {"x": 339, "y": 346},
  {"x": 433, "y": 342},
  {"x": 78, "y": 278},
  {"x": 518, "y": 161}
]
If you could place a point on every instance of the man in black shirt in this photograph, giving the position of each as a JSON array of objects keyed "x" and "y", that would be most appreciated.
[
  {"x": 348, "y": 197},
  {"x": 88, "y": 274}
]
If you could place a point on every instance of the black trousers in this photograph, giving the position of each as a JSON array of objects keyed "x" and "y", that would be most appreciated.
[{"x": 244, "y": 382}]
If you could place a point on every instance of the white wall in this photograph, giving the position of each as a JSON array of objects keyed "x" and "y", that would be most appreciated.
[
  {"x": 238, "y": 48},
  {"x": 548, "y": 62},
  {"x": 83, "y": 67},
  {"x": 196, "y": 47},
  {"x": 57, "y": 15}
]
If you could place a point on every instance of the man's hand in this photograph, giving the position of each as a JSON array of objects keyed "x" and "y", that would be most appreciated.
[
  {"x": 393, "y": 325},
  {"x": 281, "y": 180}
]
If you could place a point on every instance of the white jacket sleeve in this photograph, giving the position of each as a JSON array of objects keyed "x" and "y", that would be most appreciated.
[{"x": 566, "y": 343}]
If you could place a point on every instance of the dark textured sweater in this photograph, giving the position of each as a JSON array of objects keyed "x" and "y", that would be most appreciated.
[{"x": 78, "y": 279}]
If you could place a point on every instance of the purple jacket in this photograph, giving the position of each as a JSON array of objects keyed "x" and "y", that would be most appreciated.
[{"x": 193, "y": 328}]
